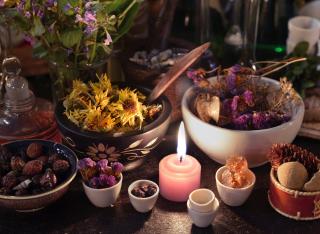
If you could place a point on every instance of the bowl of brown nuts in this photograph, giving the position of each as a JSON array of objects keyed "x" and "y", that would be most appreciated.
[{"x": 34, "y": 173}]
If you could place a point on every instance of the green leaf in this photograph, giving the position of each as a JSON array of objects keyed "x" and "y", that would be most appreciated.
[
  {"x": 39, "y": 51},
  {"x": 126, "y": 24},
  {"x": 301, "y": 48},
  {"x": 308, "y": 84},
  {"x": 71, "y": 37},
  {"x": 117, "y": 6},
  {"x": 38, "y": 28}
]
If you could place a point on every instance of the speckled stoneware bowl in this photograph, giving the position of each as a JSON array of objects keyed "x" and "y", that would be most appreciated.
[
  {"x": 36, "y": 202},
  {"x": 129, "y": 148}
]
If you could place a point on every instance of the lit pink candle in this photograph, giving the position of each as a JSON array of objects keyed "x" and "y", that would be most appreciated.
[{"x": 179, "y": 174}]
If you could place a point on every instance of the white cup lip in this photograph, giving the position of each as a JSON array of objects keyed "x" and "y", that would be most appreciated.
[
  {"x": 104, "y": 189},
  {"x": 134, "y": 183},
  {"x": 215, "y": 207},
  {"x": 213, "y": 197},
  {"x": 219, "y": 171},
  {"x": 292, "y": 23}
]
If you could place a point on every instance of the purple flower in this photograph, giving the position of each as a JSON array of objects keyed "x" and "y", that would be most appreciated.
[
  {"x": 108, "y": 40},
  {"x": 90, "y": 29},
  {"x": 102, "y": 166},
  {"x": 50, "y": 3},
  {"x": 27, "y": 14},
  {"x": 87, "y": 168},
  {"x": 262, "y": 120},
  {"x": 117, "y": 168},
  {"x": 78, "y": 18},
  {"x": 234, "y": 104},
  {"x": 85, "y": 163},
  {"x": 76, "y": 9},
  {"x": 88, "y": 5},
  {"x": 226, "y": 107},
  {"x": 40, "y": 14},
  {"x": 21, "y": 5},
  {"x": 243, "y": 122},
  {"x": 1, "y": 3},
  {"x": 29, "y": 40},
  {"x": 107, "y": 181},
  {"x": 89, "y": 17},
  {"x": 94, "y": 182},
  {"x": 231, "y": 81},
  {"x": 248, "y": 98},
  {"x": 67, "y": 7}
]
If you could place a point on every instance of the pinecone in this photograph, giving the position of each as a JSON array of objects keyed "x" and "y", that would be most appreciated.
[{"x": 281, "y": 153}]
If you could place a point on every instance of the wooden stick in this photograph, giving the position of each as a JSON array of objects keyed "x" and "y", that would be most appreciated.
[{"x": 176, "y": 70}]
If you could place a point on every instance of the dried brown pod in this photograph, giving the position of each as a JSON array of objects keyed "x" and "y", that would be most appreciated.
[
  {"x": 60, "y": 166},
  {"x": 17, "y": 163},
  {"x": 48, "y": 180},
  {"x": 53, "y": 158},
  {"x": 44, "y": 159},
  {"x": 9, "y": 180},
  {"x": 281, "y": 153},
  {"x": 34, "y": 150},
  {"x": 32, "y": 168}
]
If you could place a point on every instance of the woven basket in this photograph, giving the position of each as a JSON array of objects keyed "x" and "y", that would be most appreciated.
[{"x": 292, "y": 203}]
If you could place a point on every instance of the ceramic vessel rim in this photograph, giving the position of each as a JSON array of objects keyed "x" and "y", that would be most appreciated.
[
  {"x": 164, "y": 115},
  {"x": 142, "y": 181},
  {"x": 202, "y": 204},
  {"x": 292, "y": 21},
  {"x": 62, "y": 185},
  {"x": 221, "y": 169},
  {"x": 185, "y": 106},
  {"x": 104, "y": 189},
  {"x": 216, "y": 203},
  {"x": 289, "y": 191}
]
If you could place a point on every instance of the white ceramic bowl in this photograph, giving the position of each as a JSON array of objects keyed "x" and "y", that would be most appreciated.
[
  {"x": 202, "y": 200},
  {"x": 203, "y": 219},
  {"x": 233, "y": 196},
  {"x": 220, "y": 143},
  {"x": 103, "y": 197},
  {"x": 146, "y": 204}
]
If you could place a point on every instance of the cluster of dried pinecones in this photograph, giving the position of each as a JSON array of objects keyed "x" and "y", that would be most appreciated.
[{"x": 281, "y": 153}]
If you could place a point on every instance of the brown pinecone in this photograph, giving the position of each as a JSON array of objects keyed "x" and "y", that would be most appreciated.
[{"x": 281, "y": 153}]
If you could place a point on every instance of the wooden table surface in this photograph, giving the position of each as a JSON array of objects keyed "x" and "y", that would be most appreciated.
[{"x": 75, "y": 214}]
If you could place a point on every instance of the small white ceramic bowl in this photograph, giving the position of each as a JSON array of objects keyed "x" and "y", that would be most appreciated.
[
  {"x": 203, "y": 219},
  {"x": 233, "y": 196},
  {"x": 140, "y": 204},
  {"x": 202, "y": 200},
  {"x": 220, "y": 143},
  {"x": 103, "y": 197}
]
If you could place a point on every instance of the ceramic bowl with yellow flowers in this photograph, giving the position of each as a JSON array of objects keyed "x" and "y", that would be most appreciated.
[{"x": 106, "y": 121}]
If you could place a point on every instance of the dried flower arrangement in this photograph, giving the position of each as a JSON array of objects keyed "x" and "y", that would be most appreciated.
[
  {"x": 241, "y": 100},
  {"x": 99, "y": 174},
  {"x": 99, "y": 106}
]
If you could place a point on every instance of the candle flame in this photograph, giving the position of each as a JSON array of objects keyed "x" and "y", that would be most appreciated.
[{"x": 182, "y": 145}]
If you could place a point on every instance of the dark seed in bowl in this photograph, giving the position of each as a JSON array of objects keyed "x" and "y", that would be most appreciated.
[{"x": 144, "y": 190}]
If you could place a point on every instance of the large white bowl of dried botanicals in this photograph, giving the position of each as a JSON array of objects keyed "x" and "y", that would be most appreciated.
[{"x": 241, "y": 114}]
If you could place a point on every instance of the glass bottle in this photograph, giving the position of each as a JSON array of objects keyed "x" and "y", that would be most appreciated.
[{"x": 23, "y": 116}]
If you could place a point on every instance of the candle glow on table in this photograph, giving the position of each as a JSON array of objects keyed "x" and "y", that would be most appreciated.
[{"x": 179, "y": 174}]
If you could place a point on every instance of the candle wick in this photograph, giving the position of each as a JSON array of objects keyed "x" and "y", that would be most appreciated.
[{"x": 180, "y": 158}]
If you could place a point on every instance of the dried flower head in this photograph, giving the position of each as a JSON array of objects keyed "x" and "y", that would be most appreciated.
[{"x": 99, "y": 106}]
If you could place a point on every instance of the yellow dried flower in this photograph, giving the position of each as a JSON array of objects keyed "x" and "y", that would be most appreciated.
[{"x": 101, "y": 107}]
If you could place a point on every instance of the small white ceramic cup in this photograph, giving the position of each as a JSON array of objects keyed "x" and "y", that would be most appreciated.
[
  {"x": 233, "y": 196},
  {"x": 103, "y": 197},
  {"x": 201, "y": 200},
  {"x": 142, "y": 204},
  {"x": 303, "y": 28},
  {"x": 203, "y": 219}
]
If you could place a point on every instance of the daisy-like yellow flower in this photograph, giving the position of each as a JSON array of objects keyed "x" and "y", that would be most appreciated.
[
  {"x": 128, "y": 109},
  {"x": 101, "y": 107}
]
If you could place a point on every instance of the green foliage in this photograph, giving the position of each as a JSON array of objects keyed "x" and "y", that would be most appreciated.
[
  {"x": 73, "y": 31},
  {"x": 303, "y": 75}
]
